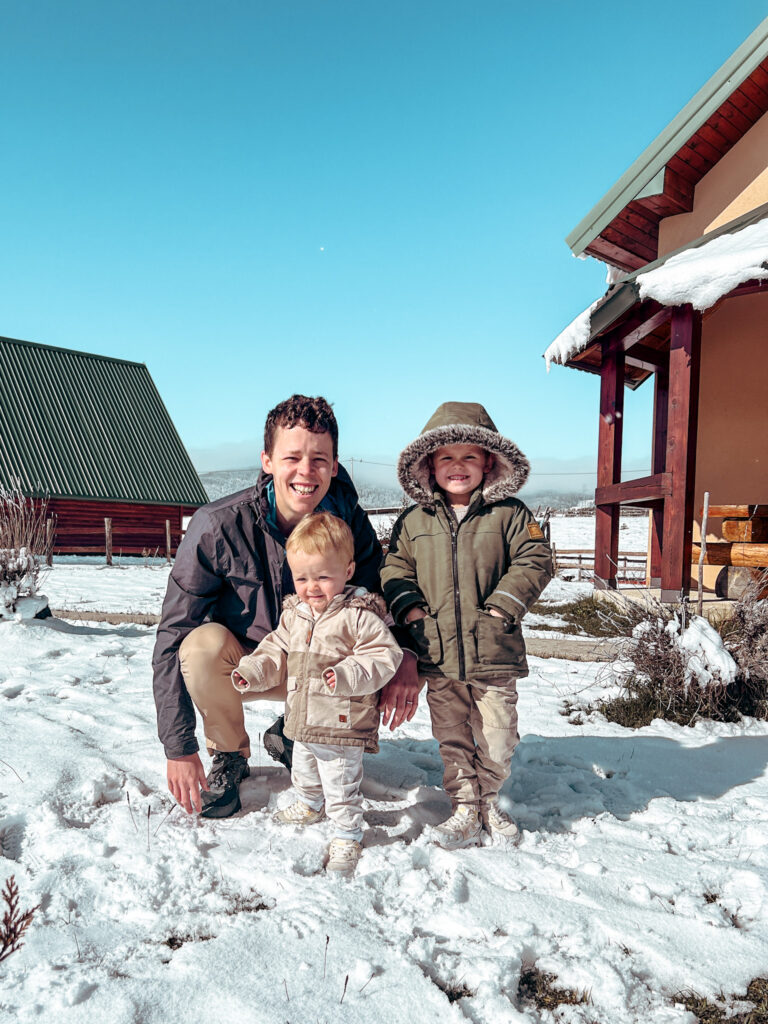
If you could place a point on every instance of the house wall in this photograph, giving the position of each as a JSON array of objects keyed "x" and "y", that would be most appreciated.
[
  {"x": 732, "y": 443},
  {"x": 736, "y": 184},
  {"x": 137, "y": 529}
]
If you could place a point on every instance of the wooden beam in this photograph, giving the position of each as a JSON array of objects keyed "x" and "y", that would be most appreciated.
[
  {"x": 658, "y": 464},
  {"x": 747, "y": 555},
  {"x": 635, "y": 492},
  {"x": 682, "y": 424},
  {"x": 746, "y": 531},
  {"x": 748, "y": 288},
  {"x": 614, "y": 254},
  {"x": 609, "y": 464},
  {"x": 736, "y": 511},
  {"x": 630, "y": 340},
  {"x": 650, "y": 359}
]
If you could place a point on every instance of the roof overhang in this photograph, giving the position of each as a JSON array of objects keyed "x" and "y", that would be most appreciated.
[
  {"x": 631, "y": 299},
  {"x": 661, "y": 181}
]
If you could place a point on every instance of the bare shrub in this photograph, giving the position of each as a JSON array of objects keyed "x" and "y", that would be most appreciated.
[
  {"x": 23, "y": 545},
  {"x": 593, "y": 616},
  {"x": 745, "y": 636},
  {"x": 15, "y": 921},
  {"x": 657, "y": 681}
]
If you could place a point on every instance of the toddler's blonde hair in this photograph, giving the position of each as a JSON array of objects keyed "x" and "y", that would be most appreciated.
[{"x": 321, "y": 533}]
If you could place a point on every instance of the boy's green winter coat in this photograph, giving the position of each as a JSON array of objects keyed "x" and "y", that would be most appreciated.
[{"x": 495, "y": 557}]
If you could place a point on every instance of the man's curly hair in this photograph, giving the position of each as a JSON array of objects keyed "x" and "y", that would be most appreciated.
[{"x": 313, "y": 414}]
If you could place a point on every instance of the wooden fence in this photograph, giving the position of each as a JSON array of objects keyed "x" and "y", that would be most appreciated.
[{"x": 630, "y": 568}]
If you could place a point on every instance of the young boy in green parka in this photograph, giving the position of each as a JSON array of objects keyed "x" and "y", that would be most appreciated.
[{"x": 464, "y": 565}]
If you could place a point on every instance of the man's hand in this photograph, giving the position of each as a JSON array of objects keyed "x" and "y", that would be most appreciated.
[
  {"x": 186, "y": 776},
  {"x": 414, "y": 614},
  {"x": 400, "y": 697}
]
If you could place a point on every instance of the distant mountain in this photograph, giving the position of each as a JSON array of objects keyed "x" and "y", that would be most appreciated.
[{"x": 220, "y": 482}]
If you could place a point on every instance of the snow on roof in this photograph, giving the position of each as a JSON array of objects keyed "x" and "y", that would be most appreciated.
[
  {"x": 699, "y": 275},
  {"x": 573, "y": 339}
]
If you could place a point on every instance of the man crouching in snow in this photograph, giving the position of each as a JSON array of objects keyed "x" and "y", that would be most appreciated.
[{"x": 225, "y": 594}]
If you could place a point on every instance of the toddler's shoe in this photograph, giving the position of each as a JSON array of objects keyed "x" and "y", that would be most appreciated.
[
  {"x": 499, "y": 824},
  {"x": 343, "y": 855},
  {"x": 463, "y": 828},
  {"x": 299, "y": 813}
]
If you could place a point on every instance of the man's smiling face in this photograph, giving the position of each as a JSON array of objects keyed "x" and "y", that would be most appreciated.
[{"x": 302, "y": 467}]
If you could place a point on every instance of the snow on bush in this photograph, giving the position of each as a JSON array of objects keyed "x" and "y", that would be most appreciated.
[
  {"x": 22, "y": 539},
  {"x": 19, "y": 573},
  {"x": 677, "y": 672}
]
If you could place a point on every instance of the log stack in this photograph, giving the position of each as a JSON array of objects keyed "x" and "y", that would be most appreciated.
[{"x": 744, "y": 551}]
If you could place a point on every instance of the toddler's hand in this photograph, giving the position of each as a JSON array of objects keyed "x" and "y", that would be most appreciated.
[
  {"x": 330, "y": 679},
  {"x": 237, "y": 679}
]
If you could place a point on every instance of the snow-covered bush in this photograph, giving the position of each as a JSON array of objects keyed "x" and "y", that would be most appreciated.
[
  {"x": 677, "y": 667},
  {"x": 22, "y": 548}
]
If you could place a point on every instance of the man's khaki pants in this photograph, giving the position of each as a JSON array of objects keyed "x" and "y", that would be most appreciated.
[
  {"x": 475, "y": 725},
  {"x": 207, "y": 657}
]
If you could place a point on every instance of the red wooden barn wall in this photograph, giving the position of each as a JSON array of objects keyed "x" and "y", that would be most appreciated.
[{"x": 137, "y": 529}]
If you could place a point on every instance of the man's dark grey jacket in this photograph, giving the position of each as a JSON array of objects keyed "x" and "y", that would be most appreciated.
[{"x": 230, "y": 568}]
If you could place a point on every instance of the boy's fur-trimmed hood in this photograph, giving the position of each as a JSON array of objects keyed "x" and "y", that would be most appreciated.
[{"x": 462, "y": 423}]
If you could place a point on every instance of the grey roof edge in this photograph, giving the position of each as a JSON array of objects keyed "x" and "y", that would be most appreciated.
[
  {"x": 653, "y": 159},
  {"x": 70, "y": 351}
]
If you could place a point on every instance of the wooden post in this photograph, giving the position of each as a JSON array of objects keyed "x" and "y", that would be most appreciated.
[
  {"x": 49, "y": 541},
  {"x": 168, "y": 541},
  {"x": 609, "y": 464},
  {"x": 108, "y": 539},
  {"x": 660, "y": 414},
  {"x": 682, "y": 424},
  {"x": 702, "y": 554}
]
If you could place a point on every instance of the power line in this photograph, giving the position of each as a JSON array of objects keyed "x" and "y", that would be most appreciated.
[{"x": 534, "y": 472}]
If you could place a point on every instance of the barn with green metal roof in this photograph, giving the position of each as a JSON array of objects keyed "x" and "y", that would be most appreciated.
[{"x": 91, "y": 436}]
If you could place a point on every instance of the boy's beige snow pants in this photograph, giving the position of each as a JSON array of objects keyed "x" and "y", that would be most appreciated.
[
  {"x": 207, "y": 657},
  {"x": 475, "y": 725}
]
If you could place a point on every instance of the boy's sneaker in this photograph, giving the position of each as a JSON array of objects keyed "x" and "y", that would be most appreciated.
[
  {"x": 277, "y": 744},
  {"x": 343, "y": 855},
  {"x": 499, "y": 823},
  {"x": 227, "y": 772},
  {"x": 463, "y": 828},
  {"x": 299, "y": 813}
]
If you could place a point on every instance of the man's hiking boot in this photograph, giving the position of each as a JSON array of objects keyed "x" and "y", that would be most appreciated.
[
  {"x": 499, "y": 824},
  {"x": 343, "y": 855},
  {"x": 463, "y": 828},
  {"x": 227, "y": 772},
  {"x": 299, "y": 813},
  {"x": 277, "y": 745}
]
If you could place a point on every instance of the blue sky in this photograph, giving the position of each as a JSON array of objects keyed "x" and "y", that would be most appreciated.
[{"x": 361, "y": 200}]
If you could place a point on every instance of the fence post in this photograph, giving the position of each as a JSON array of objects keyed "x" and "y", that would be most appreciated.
[
  {"x": 108, "y": 539},
  {"x": 168, "y": 541},
  {"x": 49, "y": 541}
]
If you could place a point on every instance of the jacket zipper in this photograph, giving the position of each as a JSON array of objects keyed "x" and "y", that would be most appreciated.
[{"x": 456, "y": 600}]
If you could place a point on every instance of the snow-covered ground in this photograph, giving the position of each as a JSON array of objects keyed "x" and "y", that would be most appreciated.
[{"x": 642, "y": 870}]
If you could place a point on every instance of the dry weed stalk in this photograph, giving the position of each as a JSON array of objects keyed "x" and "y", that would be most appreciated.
[
  {"x": 15, "y": 922},
  {"x": 22, "y": 521}
]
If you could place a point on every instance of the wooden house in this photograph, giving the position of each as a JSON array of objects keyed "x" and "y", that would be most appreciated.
[
  {"x": 685, "y": 233},
  {"x": 91, "y": 436}
]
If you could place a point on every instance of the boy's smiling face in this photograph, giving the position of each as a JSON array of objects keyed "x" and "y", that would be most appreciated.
[{"x": 459, "y": 470}]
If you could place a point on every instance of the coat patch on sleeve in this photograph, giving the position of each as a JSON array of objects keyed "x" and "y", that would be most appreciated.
[{"x": 534, "y": 531}]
